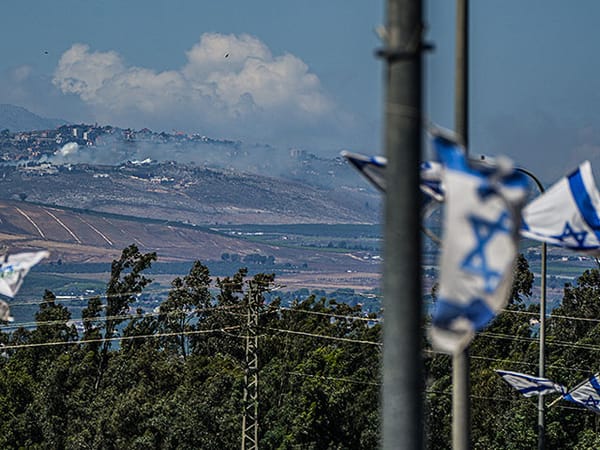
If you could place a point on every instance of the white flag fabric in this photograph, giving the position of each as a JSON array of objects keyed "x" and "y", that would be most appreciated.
[
  {"x": 586, "y": 394},
  {"x": 481, "y": 221},
  {"x": 13, "y": 269},
  {"x": 529, "y": 385},
  {"x": 567, "y": 214},
  {"x": 373, "y": 169}
]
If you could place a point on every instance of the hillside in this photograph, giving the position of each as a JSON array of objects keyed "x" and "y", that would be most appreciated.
[
  {"x": 78, "y": 237},
  {"x": 187, "y": 193},
  {"x": 16, "y": 118}
]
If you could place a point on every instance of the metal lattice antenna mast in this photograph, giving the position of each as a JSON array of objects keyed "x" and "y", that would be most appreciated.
[{"x": 250, "y": 399}]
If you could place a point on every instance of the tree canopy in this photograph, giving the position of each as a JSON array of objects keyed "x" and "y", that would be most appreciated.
[{"x": 174, "y": 378}]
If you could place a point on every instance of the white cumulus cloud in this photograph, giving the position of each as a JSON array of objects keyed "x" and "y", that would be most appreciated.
[{"x": 229, "y": 84}]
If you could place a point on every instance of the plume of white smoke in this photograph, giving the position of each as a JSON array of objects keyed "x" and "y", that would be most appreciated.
[
  {"x": 69, "y": 148},
  {"x": 228, "y": 83}
]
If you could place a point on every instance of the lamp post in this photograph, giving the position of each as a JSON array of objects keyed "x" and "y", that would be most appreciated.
[
  {"x": 461, "y": 379},
  {"x": 542, "y": 333}
]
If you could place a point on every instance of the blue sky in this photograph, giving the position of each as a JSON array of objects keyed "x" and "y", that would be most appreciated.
[{"x": 303, "y": 74}]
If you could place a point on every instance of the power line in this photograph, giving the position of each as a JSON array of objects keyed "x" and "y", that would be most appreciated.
[
  {"x": 70, "y": 298},
  {"x": 337, "y": 316},
  {"x": 332, "y": 315},
  {"x": 509, "y": 362},
  {"x": 120, "y": 317},
  {"x": 116, "y": 338},
  {"x": 333, "y": 338},
  {"x": 553, "y": 342},
  {"x": 323, "y": 377},
  {"x": 499, "y": 399}
]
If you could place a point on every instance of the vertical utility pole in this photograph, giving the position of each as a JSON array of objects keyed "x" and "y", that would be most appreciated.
[
  {"x": 250, "y": 398},
  {"x": 461, "y": 82},
  {"x": 541, "y": 369},
  {"x": 542, "y": 335},
  {"x": 461, "y": 408},
  {"x": 402, "y": 391}
]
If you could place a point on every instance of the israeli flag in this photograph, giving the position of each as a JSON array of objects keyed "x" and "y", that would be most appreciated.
[
  {"x": 481, "y": 222},
  {"x": 567, "y": 214},
  {"x": 373, "y": 169},
  {"x": 13, "y": 269},
  {"x": 586, "y": 394},
  {"x": 529, "y": 385}
]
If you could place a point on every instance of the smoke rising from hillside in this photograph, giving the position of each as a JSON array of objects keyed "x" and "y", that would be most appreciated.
[
  {"x": 69, "y": 149},
  {"x": 259, "y": 159},
  {"x": 230, "y": 84}
]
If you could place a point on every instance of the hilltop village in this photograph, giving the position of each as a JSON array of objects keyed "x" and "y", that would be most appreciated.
[{"x": 33, "y": 145}]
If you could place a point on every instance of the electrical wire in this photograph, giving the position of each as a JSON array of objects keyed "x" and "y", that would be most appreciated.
[
  {"x": 500, "y": 399},
  {"x": 226, "y": 330},
  {"x": 548, "y": 342},
  {"x": 332, "y": 315},
  {"x": 323, "y": 377},
  {"x": 116, "y": 338},
  {"x": 333, "y": 338},
  {"x": 230, "y": 307},
  {"x": 509, "y": 362},
  {"x": 69, "y": 298},
  {"x": 224, "y": 308},
  {"x": 336, "y": 316}
]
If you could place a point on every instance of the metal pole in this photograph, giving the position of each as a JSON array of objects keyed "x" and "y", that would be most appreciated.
[
  {"x": 461, "y": 413},
  {"x": 402, "y": 391},
  {"x": 461, "y": 81},
  {"x": 542, "y": 335},
  {"x": 461, "y": 409}
]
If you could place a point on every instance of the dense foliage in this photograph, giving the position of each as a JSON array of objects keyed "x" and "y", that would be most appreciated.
[
  {"x": 175, "y": 379},
  {"x": 501, "y": 417}
]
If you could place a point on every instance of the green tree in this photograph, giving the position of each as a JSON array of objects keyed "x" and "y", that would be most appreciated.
[
  {"x": 189, "y": 300},
  {"x": 126, "y": 282}
]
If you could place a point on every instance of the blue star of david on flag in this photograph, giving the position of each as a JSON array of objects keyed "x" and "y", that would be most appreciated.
[
  {"x": 476, "y": 261},
  {"x": 569, "y": 233},
  {"x": 586, "y": 394},
  {"x": 567, "y": 214},
  {"x": 482, "y": 210},
  {"x": 592, "y": 402}
]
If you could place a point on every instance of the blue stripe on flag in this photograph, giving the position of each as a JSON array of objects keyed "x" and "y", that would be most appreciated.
[
  {"x": 452, "y": 156},
  {"x": 539, "y": 388},
  {"x": 595, "y": 384},
  {"x": 477, "y": 312},
  {"x": 584, "y": 202}
]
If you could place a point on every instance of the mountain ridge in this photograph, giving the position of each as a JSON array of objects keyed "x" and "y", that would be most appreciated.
[{"x": 16, "y": 119}]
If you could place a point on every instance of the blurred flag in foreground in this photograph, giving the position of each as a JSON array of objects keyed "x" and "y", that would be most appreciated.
[
  {"x": 529, "y": 385},
  {"x": 13, "y": 269},
  {"x": 480, "y": 230},
  {"x": 567, "y": 214},
  {"x": 586, "y": 394},
  {"x": 373, "y": 169}
]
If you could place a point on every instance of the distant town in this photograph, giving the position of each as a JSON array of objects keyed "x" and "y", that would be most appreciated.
[{"x": 33, "y": 145}]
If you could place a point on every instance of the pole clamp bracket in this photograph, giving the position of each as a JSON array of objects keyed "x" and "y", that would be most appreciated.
[{"x": 400, "y": 55}]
